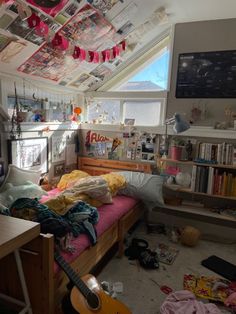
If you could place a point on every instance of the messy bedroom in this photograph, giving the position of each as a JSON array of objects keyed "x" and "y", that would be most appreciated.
[{"x": 117, "y": 156}]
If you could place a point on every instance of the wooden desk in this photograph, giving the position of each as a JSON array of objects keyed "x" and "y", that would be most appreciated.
[{"x": 14, "y": 233}]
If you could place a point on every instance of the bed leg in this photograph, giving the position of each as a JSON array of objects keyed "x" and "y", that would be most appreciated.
[
  {"x": 121, "y": 240},
  {"x": 120, "y": 248}
]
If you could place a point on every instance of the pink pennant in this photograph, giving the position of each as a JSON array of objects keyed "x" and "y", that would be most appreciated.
[
  {"x": 96, "y": 57},
  {"x": 34, "y": 20},
  {"x": 90, "y": 56},
  {"x": 106, "y": 55},
  {"x": 82, "y": 55},
  {"x": 116, "y": 51},
  {"x": 60, "y": 42},
  {"x": 76, "y": 53},
  {"x": 93, "y": 56},
  {"x": 42, "y": 29},
  {"x": 123, "y": 45}
]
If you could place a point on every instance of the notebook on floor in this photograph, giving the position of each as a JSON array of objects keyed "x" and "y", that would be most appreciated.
[{"x": 166, "y": 253}]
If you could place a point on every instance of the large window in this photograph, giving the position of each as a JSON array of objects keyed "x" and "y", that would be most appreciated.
[
  {"x": 144, "y": 112},
  {"x": 115, "y": 111},
  {"x": 104, "y": 111}
]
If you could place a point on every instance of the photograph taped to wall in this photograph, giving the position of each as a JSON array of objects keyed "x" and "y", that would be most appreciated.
[
  {"x": 29, "y": 153},
  {"x": 59, "y": 170},
  {"x": 58, "y": 148},
  {"x": 4, "y": 41}
]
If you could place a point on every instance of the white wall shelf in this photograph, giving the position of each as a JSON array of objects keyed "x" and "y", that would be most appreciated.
[
  {"x": 194, "y": 131},
  {"x": 42, "y": 126}
]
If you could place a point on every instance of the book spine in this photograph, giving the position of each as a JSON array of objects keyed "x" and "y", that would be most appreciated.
[
  {"x": 193, "y": 178},
  {"x": 210, "y": 180},
  {"x": 197, "y": 183}
]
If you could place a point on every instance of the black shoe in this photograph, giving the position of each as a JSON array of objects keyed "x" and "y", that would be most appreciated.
[
  {"x": 149, "y": 259},
  {"x": 136, "y": 248}
]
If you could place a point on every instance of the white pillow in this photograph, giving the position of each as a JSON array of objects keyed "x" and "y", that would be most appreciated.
[
  {"x": 12, "y": 193},
  {"x": 18, "y": 176},
  {"x": 144, "y": 186}
]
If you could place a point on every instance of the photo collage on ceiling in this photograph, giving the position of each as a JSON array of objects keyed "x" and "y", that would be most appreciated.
[{"x": 72, "y": 18}]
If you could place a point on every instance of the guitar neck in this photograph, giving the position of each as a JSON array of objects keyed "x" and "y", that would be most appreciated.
[{"x": 72, "y": 275}]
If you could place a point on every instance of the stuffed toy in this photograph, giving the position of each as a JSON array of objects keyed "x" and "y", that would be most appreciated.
[{"x": 13, "y": 192}]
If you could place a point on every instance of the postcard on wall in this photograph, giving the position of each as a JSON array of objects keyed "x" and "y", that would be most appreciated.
[
  {"x": 4, "y": 41},
  {"x": 80, "y": 80},
  {"x": 71, "y": 155},
  {"x": 58, "y": 148},
  {"x": 125, "y": 15},
  {"x": 102, "y": 5}
]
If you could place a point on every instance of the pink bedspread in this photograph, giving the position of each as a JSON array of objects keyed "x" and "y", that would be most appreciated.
[{"x": 109, "y": 213}]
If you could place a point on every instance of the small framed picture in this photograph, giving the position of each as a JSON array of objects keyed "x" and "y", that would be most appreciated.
[
  {"x": 144, "y": 156},
  {"x": 129, "y": 121},
  {"x": 59, "y": 170},
  {"x": 29, "y": 153}
]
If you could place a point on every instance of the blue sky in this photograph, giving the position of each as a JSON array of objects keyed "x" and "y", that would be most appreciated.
[{"x": 157, "y": 72}]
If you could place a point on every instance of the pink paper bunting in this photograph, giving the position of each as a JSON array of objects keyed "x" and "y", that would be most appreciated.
[
  {"x": 60, "y": 42},
  {"x": 106, "y": 55},
  {"x": 33, "y": 20},
  {"x": 76, "y": 53},
  {"x": 42, "y": 29}
]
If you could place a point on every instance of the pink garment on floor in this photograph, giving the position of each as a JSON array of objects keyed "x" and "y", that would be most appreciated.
[{"x": 184, "y": 302}]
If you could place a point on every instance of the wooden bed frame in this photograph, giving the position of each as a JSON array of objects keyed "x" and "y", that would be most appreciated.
[{"x": 47, "y": 289}]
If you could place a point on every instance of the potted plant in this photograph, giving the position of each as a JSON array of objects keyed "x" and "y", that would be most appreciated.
[{"x": 176, "y": 147}]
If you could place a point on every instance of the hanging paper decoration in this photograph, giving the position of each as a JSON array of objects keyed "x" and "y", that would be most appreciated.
[
  {"x": 34, "y": 20},
  {"x": 82, "y": 38},
  {"x": 76, "y": 53},
  {"x": 42, "y": 29},
  {"x": 106, "y": 55},
  {"x": 60, "y": 42}
]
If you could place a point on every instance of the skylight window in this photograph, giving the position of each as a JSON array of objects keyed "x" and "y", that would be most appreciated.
[{"x": 153, "y": 77}]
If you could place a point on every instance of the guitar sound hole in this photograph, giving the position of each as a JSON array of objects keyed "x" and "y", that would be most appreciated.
[{"x": 93, "y": 300}]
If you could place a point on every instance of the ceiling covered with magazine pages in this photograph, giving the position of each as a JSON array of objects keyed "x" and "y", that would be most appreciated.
[{"x": 97, "y": 27}]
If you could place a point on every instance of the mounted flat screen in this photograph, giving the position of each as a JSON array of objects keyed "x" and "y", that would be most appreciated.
[{"x": 206, "y": 75}]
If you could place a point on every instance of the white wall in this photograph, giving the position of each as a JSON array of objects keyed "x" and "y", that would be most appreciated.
[{"x": 199, "y": 37}]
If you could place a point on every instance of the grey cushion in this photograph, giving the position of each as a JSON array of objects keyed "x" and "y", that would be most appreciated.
[{"x": 144, "y": 186}]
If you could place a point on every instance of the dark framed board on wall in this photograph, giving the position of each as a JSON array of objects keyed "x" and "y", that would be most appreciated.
[
  {"x": 29, "y": 153},
  {"x": 210, "y": 74}
]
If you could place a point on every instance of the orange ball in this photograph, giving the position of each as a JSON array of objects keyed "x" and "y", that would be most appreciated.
[{"x": 77, "y": 110}]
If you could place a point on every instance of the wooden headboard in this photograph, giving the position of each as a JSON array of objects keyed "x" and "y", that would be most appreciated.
[{"x": 95, "y": 166}]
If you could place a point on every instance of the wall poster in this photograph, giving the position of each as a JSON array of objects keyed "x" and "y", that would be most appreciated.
[{"x": 29, "y": 153}]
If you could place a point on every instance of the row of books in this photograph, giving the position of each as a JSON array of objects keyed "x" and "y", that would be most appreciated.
[
  {"x": 213, "y": 181},
  {"x": 223, "y": 153}
]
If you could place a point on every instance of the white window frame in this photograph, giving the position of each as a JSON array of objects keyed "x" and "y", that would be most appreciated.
[{"x": 160, "y": 96}]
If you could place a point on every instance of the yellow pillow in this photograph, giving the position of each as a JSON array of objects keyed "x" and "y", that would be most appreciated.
[
  {"x": 115, "y": 181},
  {"x": 68, "y": 179}
]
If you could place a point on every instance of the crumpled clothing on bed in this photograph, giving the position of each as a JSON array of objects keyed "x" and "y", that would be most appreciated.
[
  {"x": 184, "y": 301},
  {"x": 81, "y": 218}
]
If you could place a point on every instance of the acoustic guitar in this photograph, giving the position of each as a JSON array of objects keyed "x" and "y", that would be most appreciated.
[{"x": 87, "y": 296}]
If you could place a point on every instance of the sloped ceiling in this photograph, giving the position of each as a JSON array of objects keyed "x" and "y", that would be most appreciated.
[{"x": 94, "y": 25}]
